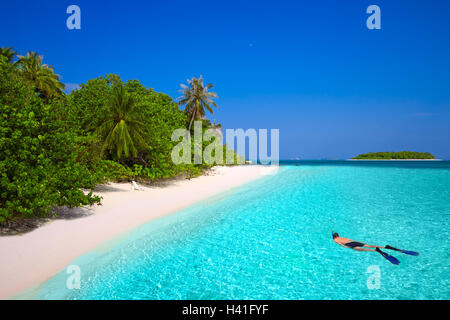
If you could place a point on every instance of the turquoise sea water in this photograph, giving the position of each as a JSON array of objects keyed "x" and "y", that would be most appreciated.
[{"x": 270, "y": 239}]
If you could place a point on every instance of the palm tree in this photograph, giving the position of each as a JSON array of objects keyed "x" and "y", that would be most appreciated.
[
  {"x": 9, "y": 53},
  {"x": 42, "y": 76},
  {"x": 197, "y": 98},
  {"x": 216, "y": 126},
  {"x": 122, "y": 130}
]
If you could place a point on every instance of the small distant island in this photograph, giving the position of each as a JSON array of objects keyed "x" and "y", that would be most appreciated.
[{"x": 402, "y": 155}]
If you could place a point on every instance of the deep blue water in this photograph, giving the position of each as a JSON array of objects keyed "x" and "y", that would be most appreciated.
[{"x": 270, "y": 239}]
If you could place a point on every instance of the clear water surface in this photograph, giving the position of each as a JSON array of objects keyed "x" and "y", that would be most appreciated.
[{"x": 271, "y": 239}]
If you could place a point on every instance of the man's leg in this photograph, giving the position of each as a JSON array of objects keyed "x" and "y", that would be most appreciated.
[
  {"x": 361, "y": 249},
  {"x": 369, "y": 246}
]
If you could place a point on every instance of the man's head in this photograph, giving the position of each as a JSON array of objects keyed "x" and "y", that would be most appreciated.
[{"x": 335, "y": 235}]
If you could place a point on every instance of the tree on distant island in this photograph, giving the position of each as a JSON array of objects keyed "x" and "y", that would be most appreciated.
[{"x": 407, "y": 155}]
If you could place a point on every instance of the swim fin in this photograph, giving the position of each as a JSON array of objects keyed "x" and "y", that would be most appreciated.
[
  {"x": 411, "y": 253},
  {"x": 388, "y": 257}
]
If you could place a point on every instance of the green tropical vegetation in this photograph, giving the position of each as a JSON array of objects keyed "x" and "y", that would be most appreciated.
[
  {"x": 197, "y": 97},
  {"x": 122, "y": 129},
  {"x": 8, "y": 53},
  {"x": 42, "y": 76},
  {"x": 394, "y": 155},
  {"x": 56, "y": 147}
]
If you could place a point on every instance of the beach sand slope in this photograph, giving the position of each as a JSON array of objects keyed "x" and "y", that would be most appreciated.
[{"x": 31, "y": 258}]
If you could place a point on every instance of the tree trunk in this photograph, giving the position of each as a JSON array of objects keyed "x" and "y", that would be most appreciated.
[{"x": 190, "y": 123}]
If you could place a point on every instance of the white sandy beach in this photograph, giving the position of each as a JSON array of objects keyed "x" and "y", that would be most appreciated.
[{"x": 32, "y": 258}]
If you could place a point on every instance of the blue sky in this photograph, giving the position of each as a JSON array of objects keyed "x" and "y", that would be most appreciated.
[{"x": 309, "y": 68}]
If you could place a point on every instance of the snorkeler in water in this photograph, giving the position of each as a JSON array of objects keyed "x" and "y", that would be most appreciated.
[{"x": 361, "y": 246}]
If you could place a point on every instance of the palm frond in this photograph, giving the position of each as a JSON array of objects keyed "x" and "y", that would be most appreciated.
[
  {"x": 122, "y": 131},
  {"x": 197, "y": 98}
]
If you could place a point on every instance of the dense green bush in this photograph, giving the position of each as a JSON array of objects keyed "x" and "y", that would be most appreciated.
[
  {"x": 38, "y": 166},
  {"x": 159, "y": 114},
  {"x": 112, "y": 171}
]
